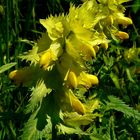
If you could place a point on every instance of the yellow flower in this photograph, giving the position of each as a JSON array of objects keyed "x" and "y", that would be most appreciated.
[
  {"x": 13, "y": 74},
  {"x": 78, "y": 49},
  {"x": 121, "y": 19},
  {"x": 22, "y": 76},
  {"x": 72, "y": 79},
  {"x": 104, "y": 45},
  {"x": 87, "y": 80},
  {"x": 122, "y": 35},
  {"x": 46, "y": 59},
  {"x": 51, "y": 55},
  {"x": 76, "y": 103}
]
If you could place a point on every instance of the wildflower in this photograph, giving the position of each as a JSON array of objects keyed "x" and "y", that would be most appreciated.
[
  {"x": 72, "y": 79},
  {"x": 104, "y": 45},
  {"x": 121, "y": 19},
  {"x": 63, "y": 51},
  {"x": 76, "y": 104},
  {"x": 22, "y": 76},
  {"x": 122, "y": 35},
  {"x": 87, "y": 80},
  {"x": 51, "y": 55}
]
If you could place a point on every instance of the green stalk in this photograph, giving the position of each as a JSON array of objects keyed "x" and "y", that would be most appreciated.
[
  {"x": 16, "y": 28},
  {"x": 29, "y": 15},
  {"x": 1, "y": 55},
  {"x": 54, "y": 132},
  {"x": 7, "y": 31}
]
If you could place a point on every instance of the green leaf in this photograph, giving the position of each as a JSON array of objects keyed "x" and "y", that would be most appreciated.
[
  {"x": 76, "y": 120},
  {"x": 30, "y": 131},
  {"x": 6, "y": 67},
  {"x": 50, "y": 108},
  {"x": 43, "y": 42},
  {"x": 62, "y": 129},
  {"x": 136, "y": 6},
  {"x": 129, "y": 75},
  {"x": 39, "y": 92},
  {"x": 108, "y": 61},
  {"x": 98, "y": 137},
  {"x": 118, "y": 105},
  {"x": 115, "y": 80},
  {"x": 111, "y": 128},
  {"x": 31, "y": 56}
]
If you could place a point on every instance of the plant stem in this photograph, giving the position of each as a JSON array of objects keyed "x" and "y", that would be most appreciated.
[
  {"x": 54, "y": 133},
  {"x": 7, "y": 31}
]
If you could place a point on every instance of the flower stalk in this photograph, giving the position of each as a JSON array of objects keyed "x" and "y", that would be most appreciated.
[{"x": 69, "y": 43}]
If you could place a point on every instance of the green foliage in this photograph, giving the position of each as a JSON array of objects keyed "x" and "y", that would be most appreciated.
[
  {"x": 136, "y": 6},
  {"x": 38, "y": 93},
  {"x": 6, "y": 67},
  {"x": 118, "y": 105}
]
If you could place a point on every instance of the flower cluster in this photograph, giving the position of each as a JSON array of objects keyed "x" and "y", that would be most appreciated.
[{"x": 70, "y": 41}]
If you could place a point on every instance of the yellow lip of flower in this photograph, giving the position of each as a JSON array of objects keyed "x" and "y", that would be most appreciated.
[
  {"x": 121, "y": 19},
  {"x": 78, "y": 48},
  {"x": 76, "y": 104},
  {"x": 93, "y": 79},
  {"x": 96, "y": 48},
  {"x": 12, "y": 74},
  {"x": 72, "y": 79},
  {"x": 92, "y": 51},
  {"x": 87, "y": 80},
  {"x": 51, "y": 55},
  {"x": 22, "y": 76},
  {"x": 45, "y": 59},
  {"x": 18, "y": 76},
  {"x": 104, "y": 45},
  {"x": 122, "y": 35},
  {"x": 88, "y": 52}
]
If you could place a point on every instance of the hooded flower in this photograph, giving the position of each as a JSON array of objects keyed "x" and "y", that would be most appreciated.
[{"x": 70, "y": 41}]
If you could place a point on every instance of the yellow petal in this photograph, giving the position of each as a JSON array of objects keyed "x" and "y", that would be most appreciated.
[
  {"x": 104, "y": 45},
  {"x": 96, "y": 48},
  {"x": 93, "y": 79},
  {"x": 72, "y": 79},
  {"x": 121, "y": 19},
  {"x": 110, "y": 20},
  {"x": 88, "y": 52},
  {"x": 87, "y": 80},
  {"x": 46, "y": 59},
  {"x": 122, "y": 35},
  {"x": 22, "y": 76},
  {"x": 12, "y": 74},
  {"x": 76, "y": 104}
]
